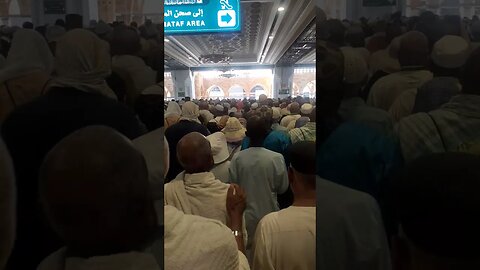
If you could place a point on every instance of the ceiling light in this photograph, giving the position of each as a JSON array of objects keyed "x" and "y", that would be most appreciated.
[
  {"x": 270, "y": 37},
  {"x": 281, "y": 9},
  {"x": 190, "y": 57},
  {"x": 166, "y": 40}
]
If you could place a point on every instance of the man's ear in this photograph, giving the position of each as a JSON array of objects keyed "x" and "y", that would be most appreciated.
[
  {"x": 291, "y": 176},
  {"x": 400, "y": 254}
]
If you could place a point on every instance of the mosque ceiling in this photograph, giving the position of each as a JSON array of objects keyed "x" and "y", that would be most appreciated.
[{"x": 265, "y": 37}]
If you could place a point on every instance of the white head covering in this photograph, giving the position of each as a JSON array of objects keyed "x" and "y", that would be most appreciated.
[
  {"x": 29, "y": 53},
  {"x": 173, "y": 108},
  {"x": 306, "y": 108},
  {"x": 153, "y": 90},
  {"x": 7, "y": 205},
  {"x": 83, "y": 62},
  {"x": 219, "y": 146},
  {"x": 190, "y": 112},
  {"x": 451, "y": 52}
]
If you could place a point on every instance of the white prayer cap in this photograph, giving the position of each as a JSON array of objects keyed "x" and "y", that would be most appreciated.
[
  {"x": 219, "y": 107},
  {"x": 254, "y": 105},
  {"x": 276, "y": 113},
  {"x": 306, "y": 108},
  {"x": 219, "y": 146},
  {"x": 450, "y": 52}
]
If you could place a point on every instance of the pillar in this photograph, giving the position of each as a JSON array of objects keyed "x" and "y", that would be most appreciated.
[
  {"x": 283, "y": 80},
  {"x": 183, "y": 83}
]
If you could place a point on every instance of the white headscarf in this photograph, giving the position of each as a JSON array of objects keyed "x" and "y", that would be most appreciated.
[
  {"x": 28, "y": 53},
  {"x": 83, "y": 62},
  {"x": 190, "y": 112},
  {"x": 7, "y": 205},
  {"x": 173, "y": 108}
]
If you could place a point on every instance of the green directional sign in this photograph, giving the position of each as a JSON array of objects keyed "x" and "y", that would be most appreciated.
[{"x": 183, "y": 17}]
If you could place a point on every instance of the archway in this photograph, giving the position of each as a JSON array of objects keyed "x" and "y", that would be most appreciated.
[
  {"x": 256, "y": 91},
  {"x": 168, "y": 94},
  {"x": 215, "y": 92},
  {"x": 309, "y": 90},
  {"x": 236, "y": 92}
]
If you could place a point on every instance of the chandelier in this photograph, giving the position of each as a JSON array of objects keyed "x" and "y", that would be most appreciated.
[
  {"x": 215, "y": 58},
  {"x": 227, "y": 71}
]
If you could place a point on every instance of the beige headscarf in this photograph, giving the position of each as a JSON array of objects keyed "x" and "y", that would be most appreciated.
[
  {"x": 83, "y": 62},
  {"x": 7, "y": 205},
  {"x": 190, "y": 112},
  {"x": 29, "y": 53}
]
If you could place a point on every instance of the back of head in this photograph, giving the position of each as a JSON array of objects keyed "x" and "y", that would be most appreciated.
[
  {"x": 329, "y": 76},
  {"x": 392, "y": 31},
  {"x": 302, "y": 160},
  {"x": 149, "y": 108},
  {"x": 332, "y": 31},
  {"x": 413, "y": 50},
  {"x": 469, "y": 77},
  {"x": 355, "y": 37},
  {"x": 438, "y": 206},
  {"x": 60, "y": 22},
  {"x": 95, "y": 191},
  {"x": 73, "y": 21},
  {"x": 190, "y": 111},
  {"x": 27, "y": 25},
  {"x": 82, "y": 56},
  {"x": 125, "y": 41},
  {"x": 257, "y": 128},
  {"x": 29, "y": 52},
  {"x": 194, "y": 153},
  {"x": 295, "y": 108},
  {"x": 450, "y": 52},
  {"x": 7, "y": 204},
  {"x": 266, "y": 113}
]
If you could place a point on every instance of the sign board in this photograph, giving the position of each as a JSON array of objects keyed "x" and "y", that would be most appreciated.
[
  {"x": 284, "y": 91},
  {"x": 54, "y": 7},
  {"x": 379, "y": 3},
  {"x": 183, "y": 17}
]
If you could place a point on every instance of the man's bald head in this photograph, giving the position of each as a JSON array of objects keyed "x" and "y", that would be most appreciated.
[
  {"x": 194, "y": 153},
  {"x": 414, "y": 49},
  {"x": 95, "y": 190}
]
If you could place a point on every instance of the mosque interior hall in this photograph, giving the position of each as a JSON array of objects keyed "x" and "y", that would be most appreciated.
[{"x": 271, "y": 52}]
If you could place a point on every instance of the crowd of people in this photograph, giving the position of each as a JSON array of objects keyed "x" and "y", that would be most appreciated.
[
  {"x": 98, "y": 172},
  {"x": 76, "y": 193},
  {"x": 264, "y": 147},
  {"x": 399, "y": 126}
]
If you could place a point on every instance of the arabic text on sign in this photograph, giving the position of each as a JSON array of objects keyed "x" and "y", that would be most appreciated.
[{"x": 182, "y": 2}]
